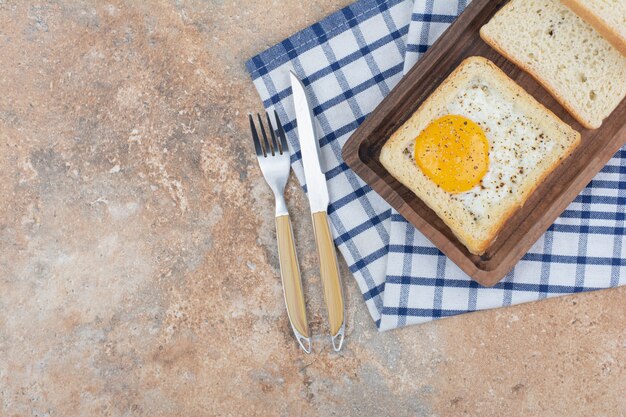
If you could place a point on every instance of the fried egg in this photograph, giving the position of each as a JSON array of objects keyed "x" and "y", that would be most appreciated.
[
  {"x": 475, "y": 150},
  {"x": 485, "y": 160}
]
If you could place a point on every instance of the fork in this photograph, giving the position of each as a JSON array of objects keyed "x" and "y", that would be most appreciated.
[{"x": 274, "y": 160}]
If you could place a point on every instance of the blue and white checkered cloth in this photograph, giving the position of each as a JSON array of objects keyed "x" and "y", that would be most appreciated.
[{"x": 350, "y": 61}]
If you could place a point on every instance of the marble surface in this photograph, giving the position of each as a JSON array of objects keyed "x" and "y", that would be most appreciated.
[{"x": 138, "y": 266}]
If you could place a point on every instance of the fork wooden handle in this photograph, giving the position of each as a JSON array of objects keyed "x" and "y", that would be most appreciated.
[
  {"x": 329, "y": 272},
  {"x": 292, "y": 283}
]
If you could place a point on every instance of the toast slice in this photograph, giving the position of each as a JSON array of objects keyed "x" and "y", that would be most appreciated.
[
  {"x": 607, "y": 16},
  {"x": 526, "y": 142},
  {"x": 580, "y": 68}
]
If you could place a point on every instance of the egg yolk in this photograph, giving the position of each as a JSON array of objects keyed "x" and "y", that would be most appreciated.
[{"x": 453, "y": 152}]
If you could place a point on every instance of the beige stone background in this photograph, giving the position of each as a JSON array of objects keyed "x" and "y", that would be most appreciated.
[{"x": 138, "y": 267}]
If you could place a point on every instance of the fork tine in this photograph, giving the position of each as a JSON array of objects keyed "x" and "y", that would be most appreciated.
[
  {"x": 255, "y": 138},
  {"x": 275, "y": 145},
  {"x": 281, "y": 133},
  {"x": 268, "y": 148}
]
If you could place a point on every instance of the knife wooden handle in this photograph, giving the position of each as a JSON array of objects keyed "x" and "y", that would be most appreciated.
[
  {"x": 329, "y": 272},
  {"x": 292, "y": 283}
]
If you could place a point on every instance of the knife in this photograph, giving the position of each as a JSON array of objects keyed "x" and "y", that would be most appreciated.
[{"x": 317, "y": 192}]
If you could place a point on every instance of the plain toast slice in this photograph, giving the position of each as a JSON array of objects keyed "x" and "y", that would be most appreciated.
[{"x": 580, "y": 68}]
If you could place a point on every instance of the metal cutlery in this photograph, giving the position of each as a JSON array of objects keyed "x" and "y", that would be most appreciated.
[
  {"x": 274, "y": 159},
  {"x": 317, "y": 192}
]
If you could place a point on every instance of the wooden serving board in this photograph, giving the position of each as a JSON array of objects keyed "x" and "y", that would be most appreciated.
[{"x": 551, "y": 197}]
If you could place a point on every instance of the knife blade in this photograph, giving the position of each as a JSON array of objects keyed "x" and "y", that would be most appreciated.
[
  {"x": 317, "y": 193},
  {"x": 317, "y": 190}
]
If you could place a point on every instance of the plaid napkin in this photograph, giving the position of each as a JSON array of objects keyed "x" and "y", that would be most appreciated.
[{"x": 350, "y": 61}]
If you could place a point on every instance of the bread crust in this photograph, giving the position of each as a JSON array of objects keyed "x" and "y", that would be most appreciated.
[
  {"x": 442, "y": 203},
  {"x": 615, "y": 38}
]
